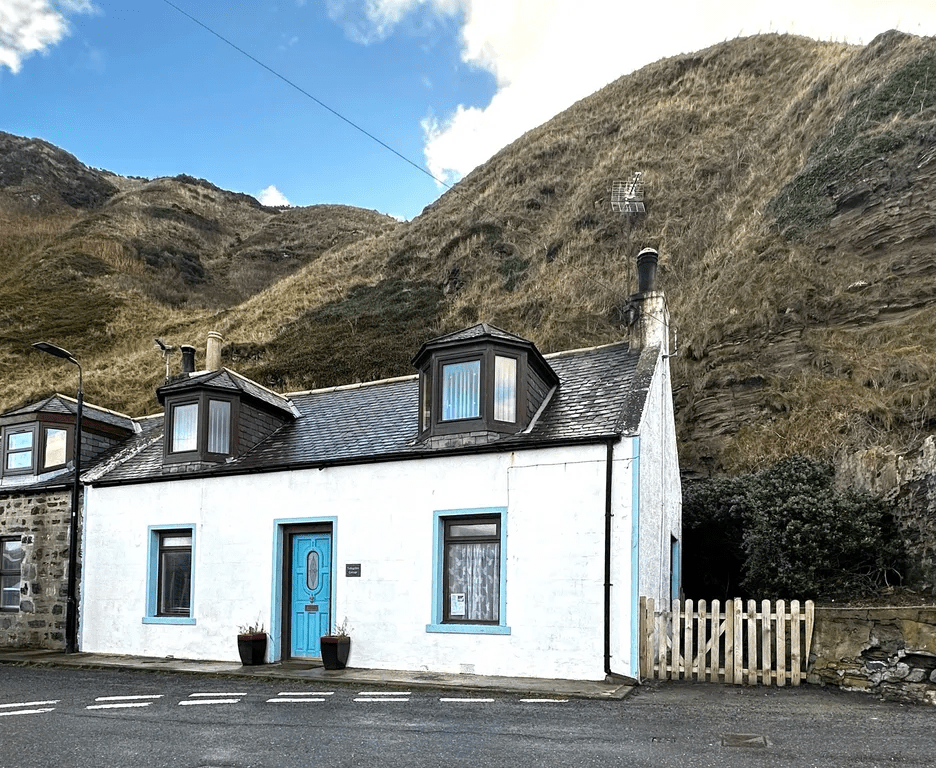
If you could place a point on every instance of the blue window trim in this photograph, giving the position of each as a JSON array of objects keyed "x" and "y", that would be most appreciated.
[
  {"x": 152, "y": 576},
  {"x": 438, "y": 537}
]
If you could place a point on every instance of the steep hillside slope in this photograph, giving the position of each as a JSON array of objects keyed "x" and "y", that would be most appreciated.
[{"x": 788, "y": 188}]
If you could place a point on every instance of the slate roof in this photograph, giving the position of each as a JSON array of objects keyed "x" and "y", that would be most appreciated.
[
  {"x": 601, "y": 396},
  {"x": 225, "y": 379},
  {"x": 65, "y": 405}
]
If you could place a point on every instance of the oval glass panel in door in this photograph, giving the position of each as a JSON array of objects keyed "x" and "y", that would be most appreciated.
[{"x": 312, "y": 570}]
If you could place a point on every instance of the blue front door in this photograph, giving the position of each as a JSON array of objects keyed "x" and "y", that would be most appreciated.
[{"x": 310, "y": 606}]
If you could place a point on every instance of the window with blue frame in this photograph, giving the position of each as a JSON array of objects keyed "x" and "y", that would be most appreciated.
[
  {"x": 469, "y": 580},
  {"x": 169, "y": 578}
]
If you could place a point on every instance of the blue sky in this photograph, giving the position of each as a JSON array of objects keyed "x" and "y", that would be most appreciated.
[{"x": 138, "y": 88}]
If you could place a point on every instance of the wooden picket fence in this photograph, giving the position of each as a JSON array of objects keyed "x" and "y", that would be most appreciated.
[{"x": 736, "y": 644}]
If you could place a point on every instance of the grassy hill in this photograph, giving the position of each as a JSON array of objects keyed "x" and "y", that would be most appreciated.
[{"x": 789, "y": 188}]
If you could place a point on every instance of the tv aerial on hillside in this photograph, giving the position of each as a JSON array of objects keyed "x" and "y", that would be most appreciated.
[{"x": 628, "y": 196}]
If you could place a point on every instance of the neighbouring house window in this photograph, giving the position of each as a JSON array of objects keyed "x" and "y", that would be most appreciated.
[
  {"x": 461, "y": 385},
  {"x": 56, "y": 447},
  {"x": 18, "y": 448},
  {"x": 468, "y": 589},
  {"x": 11, "y": 562},
  {"x": 185, "y": 428},
  {"x": 425, "y": 399},
  {"x": 171, "y": 563},
  {"x": 505, "y": 388}
]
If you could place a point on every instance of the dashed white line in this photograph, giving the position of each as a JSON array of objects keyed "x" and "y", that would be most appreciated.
[
  {"x": 122, "y": 705},
  {"x": 295, "y": 700},
  {"x": 27, "y": 712},
  {"x": 384, "y": 693},
  {"x": 306, "y": 693},
  {"x": 543, "y": 701},
  {"x": 216, "y": 694},
  {"x": 383, "y": 696},
  {"x": 466, "y": 699},
  {"x": 29, "y": 704},
  {"x": 191, "y": 702},
  {"x": 130, "y": 698}
]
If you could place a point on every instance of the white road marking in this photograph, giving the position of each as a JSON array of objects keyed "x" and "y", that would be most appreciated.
[
  {"x": 215, "y": 694},
  {"x": 189, "y": 702},
  {"x": 27, "y": 712},
  {"x": 475, "y": 701},
  {"x": 302, "y": 698},
  {"x": 123, "y": 705},
  {"x": 384, "y": 693},
  {"x": 381, "y": 700},
  {"x": 130, "y": 698},
  {"x": 544, "y": 701},
  {"x": 29, "y": 704},
  {"x": 306, "y": 693}
]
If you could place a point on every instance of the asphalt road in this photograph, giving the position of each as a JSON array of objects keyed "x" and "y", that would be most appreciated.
[{"x": 63, "y": 717}]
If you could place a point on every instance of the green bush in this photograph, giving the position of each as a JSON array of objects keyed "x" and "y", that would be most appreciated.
[{"x": 793, "y": 533}]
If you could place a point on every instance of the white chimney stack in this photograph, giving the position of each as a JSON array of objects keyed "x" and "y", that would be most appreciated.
[{"x": 213, "y": 351}]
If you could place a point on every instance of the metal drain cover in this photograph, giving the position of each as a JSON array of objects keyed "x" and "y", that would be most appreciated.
[{"x": 751, "y": 740}]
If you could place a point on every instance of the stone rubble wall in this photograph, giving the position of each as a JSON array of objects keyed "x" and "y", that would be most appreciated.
[
  {"x": 909, "y": 483},
  {"x": 41, "y": 520},
  {"x": 889, "y": 652}
]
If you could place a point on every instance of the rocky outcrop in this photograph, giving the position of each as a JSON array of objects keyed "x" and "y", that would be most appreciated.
[{"x": 909, "y": 482}]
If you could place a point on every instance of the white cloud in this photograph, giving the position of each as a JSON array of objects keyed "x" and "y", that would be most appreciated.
[
  {"x": 547, "y": 54},
  {"x": 272, "y": 196},
  {"x": 31, "y": 26}
]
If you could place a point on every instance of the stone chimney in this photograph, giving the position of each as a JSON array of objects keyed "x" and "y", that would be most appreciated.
[
  {"x": 649, "y": 323},
  {"x": 213, "y": 351},
  {"x": 188, "y": 359}
]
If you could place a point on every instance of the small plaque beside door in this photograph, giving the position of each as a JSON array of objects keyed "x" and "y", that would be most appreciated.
[
  {"x": 352, "y": 569},
  {"x": 311, "y": 609}
]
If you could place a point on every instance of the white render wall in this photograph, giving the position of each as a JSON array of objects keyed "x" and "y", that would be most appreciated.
[
  {"x": 383, "y": 513},
  {"x": 660, "y": 491}
]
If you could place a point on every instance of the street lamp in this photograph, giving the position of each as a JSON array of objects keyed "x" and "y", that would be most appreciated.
[{"x": 71, "y": 605}]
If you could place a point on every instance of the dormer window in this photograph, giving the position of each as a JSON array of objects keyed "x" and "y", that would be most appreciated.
[
  {"x": 34, "y": 448},
  {"x": 481, "y": 380},
  {"x": 200, "y": 427}
]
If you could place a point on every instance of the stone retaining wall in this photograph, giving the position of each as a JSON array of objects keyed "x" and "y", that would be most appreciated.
[
  {"x": 41, "y": 521},
  {"x": 890, "y": 652}
]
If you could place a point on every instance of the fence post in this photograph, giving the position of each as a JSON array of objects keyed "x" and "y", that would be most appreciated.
[
  {"x": 795, "y": 662},
  {"x": 729, "y": 642},
  {"x": 781, "y": 643},
  {"x": 766, "y": 645},
  {"x": 751, "y": 622},
  {"x": 691, "y": 659},
  {"x": 679, "y": 657},
  {"x": 642, "y": 639},
  {"x": 702, "y": 640},
  {"x": 714, "y": 642},
  {"x": 737, "y": 607}
]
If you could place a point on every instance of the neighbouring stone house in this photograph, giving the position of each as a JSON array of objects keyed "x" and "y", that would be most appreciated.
[
  {"x": 499, "y": 512},
  {"x": 36, "y": 481}
]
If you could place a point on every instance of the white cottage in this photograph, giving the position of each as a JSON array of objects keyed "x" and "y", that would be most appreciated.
[{"x": 498, "y": 513}]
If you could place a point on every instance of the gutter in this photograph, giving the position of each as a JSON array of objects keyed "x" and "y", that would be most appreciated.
[{"x": 231, "y": 471}]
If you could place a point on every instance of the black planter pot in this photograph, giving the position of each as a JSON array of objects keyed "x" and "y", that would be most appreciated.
[
  {"x": 252, "y": 649},
  {"x": 335, "y": 651}
]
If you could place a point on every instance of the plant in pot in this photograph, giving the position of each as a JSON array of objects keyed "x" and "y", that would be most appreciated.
[
  {"x": 336, "y": 646},
  {"x": 251, "y": 644}
]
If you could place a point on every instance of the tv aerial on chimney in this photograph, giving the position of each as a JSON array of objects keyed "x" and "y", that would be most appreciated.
[
  {"x": 628, "y": 196},
  {"x": 167, "y": 350}
]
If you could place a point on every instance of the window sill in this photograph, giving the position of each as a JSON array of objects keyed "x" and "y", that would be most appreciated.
[
  {"x": 168, "y": 620},
  {"x": 469, "y": 629}
]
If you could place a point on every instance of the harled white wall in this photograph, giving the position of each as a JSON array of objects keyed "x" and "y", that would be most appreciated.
[{"x": 555, "y": 500}]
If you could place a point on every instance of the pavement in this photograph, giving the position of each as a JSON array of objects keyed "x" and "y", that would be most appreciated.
[{"x": 313, "y": 672}]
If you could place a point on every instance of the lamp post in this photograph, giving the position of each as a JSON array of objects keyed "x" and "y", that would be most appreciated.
[{"x": 71, "y": 605}]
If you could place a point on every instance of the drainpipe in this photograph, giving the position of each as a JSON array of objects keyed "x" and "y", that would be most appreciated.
[{"x": 607, "y": 564}]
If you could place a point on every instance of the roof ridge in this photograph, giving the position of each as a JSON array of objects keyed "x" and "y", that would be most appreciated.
[
  {"x": 86, "y": 404},
  {"x": 587, "y": 349},
  {"x": 358, "y": 385}
]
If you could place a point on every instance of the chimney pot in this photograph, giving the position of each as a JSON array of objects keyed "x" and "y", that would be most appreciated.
[
  {"x": 647, "y": 261},
  {"x": 188, "y": 358},
  {"x": 213, "y": 351}
]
